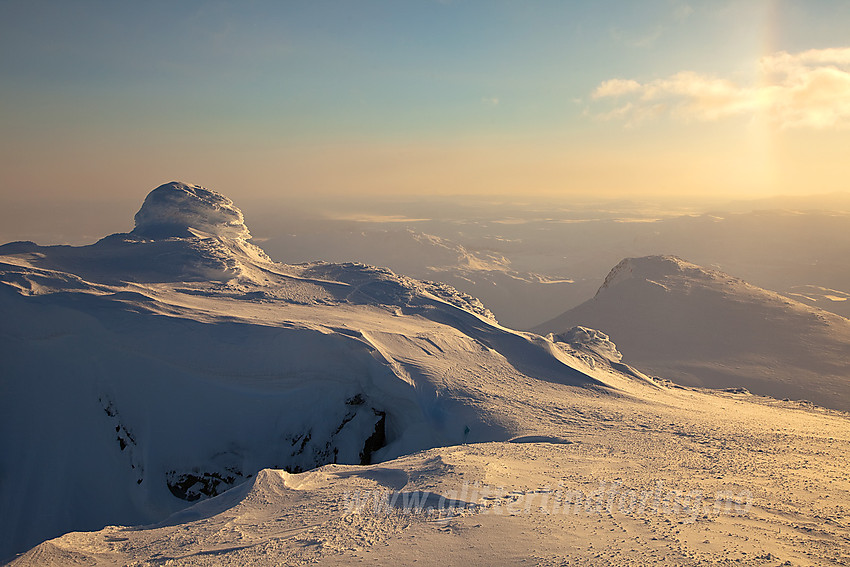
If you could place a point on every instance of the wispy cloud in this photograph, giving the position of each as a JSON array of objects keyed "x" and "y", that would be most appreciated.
[
  {"x": 616, "y": 87},
  {"x": 803, "y": 90},
  {"x": 647, "y": 38}
]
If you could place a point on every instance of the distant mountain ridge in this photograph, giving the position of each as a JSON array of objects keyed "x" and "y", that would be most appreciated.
[{"x": 701, "y": 327}]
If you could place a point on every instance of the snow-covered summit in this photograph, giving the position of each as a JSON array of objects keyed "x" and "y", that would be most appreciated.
[
  {"x": 176, "y": 209},
  {"x": 187, "y": 234},
  {"x": 655, "y": 268},
  {"x": 703, "y": 327},
  {"x": 183, "y": 233},
  {"x": 180, "y": 360},
  {"x": 161, "y": 368}
]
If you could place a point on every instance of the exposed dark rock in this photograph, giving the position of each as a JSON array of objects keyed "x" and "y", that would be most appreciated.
[
  {"x": 356, "y": 400},
  {"x": 193, "y": 485},
  {"x": 375, "y": 441}
]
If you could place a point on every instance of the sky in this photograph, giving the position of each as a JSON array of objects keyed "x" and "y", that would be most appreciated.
[{"x": 277, "y": 99}]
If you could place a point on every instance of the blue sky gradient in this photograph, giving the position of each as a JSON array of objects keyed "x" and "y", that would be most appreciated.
[{"x": 331, "y": 96}]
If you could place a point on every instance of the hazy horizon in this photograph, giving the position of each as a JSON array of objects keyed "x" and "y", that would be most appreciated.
[
  {"x": 80, "y": 220},
  {"x": 102, "y": 101}
]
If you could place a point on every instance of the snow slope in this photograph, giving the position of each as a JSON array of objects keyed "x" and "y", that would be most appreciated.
[
  {"x": 154, "y": 377},
  {"x": 701, "y": 327},
  {"x": 520, "y": 296},
  {"x": 170, "y": 363},
  {"x": 619, "y": 484}
]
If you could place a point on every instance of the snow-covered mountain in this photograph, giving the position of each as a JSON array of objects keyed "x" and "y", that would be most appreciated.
[
  {"x": 172, "y": 362},
  {"x": 176, "y": 379},
  {"x": 701, "y": 327}
]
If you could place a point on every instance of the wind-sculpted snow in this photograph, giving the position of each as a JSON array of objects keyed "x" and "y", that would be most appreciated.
[
  {"x": 175, "y": 208},
  {"x": 583, "y": 338},
  {"x": 382, "y": 286},
  {"x": 629, "y": 493},
  {"x": 169, "y": 364},
  {"x": 155, "y": 377}
]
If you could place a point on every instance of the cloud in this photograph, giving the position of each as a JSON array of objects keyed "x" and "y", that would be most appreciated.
[
  {"x": 616, "y": 87},
  {"x": 803, "y": 90},
  {"x": 490, "y": 101},
  {"x": 645, "y": 40}
]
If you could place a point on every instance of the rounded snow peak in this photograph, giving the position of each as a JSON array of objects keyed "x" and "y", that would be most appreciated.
[
  {"x": 644, "y": 268},
  {"x": 180, "y": 209}
]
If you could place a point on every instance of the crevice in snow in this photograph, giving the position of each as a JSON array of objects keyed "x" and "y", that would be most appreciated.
[
  {"x": 375, "y": 441},
  {"x": 361, "y": 425},
  {"x": 194, "y": 485},
  {"x": 124, "y": 436}
]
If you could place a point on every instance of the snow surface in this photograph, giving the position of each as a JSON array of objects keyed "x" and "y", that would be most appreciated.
[
  {"x": 701, "y": 327},
  {"x": 547, "y": 501},
  {"x": 176, "y": 363},
  {"x": 155, "y": 377},
  {"x": 598, "y": 342},
  {"x": 174, "y": 208}
]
